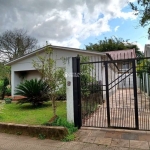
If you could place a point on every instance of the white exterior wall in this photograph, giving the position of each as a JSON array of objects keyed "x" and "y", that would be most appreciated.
[
  {"x": 33, "y": 74},
  {"x": 15, "y": 80}
]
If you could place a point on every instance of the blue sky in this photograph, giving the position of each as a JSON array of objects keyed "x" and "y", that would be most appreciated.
[
  {"x": 127, "y": 29},
  {"x": 73, "y": 23}
]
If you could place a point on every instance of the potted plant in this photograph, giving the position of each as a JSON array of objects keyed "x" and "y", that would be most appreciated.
[{"x": 7, "y": 100}]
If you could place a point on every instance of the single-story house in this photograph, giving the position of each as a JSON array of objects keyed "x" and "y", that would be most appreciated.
[{"x": 22, "y": 68}]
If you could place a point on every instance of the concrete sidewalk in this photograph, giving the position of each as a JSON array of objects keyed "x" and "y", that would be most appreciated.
[
  {"x": 91, "y": 139},
  {"x": 14, "y": 142},
  {"x": 121, "y": 139}
]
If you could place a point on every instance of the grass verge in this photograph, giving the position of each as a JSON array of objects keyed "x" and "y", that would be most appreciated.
[{"x": 27, "y": 114}]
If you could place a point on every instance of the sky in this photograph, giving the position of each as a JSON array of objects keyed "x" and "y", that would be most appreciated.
[{"x": 73, "y": 23}]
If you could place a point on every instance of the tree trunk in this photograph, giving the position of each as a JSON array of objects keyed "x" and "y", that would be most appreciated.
[{"x": 54, "y": 105}]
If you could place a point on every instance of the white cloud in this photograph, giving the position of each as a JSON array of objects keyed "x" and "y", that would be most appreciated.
[
  {"x": 62, "y": 22},
  {"x": 141, "y": 47},
  {"x": 116, "y": 28}
]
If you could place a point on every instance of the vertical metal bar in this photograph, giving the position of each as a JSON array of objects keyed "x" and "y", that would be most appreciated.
[
  {"x": 130, "y": 98},
  {"x": 111, "y": 85},
  {"x": 122, "y": 91},
  {"x": 107, "y": 93},
  {"x": 76, "y": 91},
  {"x": 135, "y": 95}
]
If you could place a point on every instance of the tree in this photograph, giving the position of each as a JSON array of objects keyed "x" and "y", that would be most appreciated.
[
  {"x": 5, "y": 72},
  {"x": 143, "y": 10},
  {"x": 52, "y": 75},
  {"x": 16, "y": 43},
  {"x": 112, "y": 44}
]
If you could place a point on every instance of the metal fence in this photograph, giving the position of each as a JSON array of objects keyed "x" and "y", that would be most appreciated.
[{"x": 115, "y": 93}]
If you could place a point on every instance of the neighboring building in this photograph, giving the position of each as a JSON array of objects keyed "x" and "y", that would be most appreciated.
[
  {"x": 122, "y": 55},
  {"x": 125, "y": 77},
  {"x": 147, "y": 50}
]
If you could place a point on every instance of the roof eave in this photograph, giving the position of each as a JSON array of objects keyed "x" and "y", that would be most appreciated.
[{"x": 54, "y": 47}]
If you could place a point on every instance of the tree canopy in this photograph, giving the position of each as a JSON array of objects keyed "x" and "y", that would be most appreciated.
[
  {"x": 142, "y": 9},
  {"x": 112, "y": 44},
  {"x": 5, "y": 72},
  {"x": 15, "y": 43}
]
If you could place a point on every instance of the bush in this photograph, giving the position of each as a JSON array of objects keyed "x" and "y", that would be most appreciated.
[
  {"x": 91, "y": 100},
  {"x": 8, "y": 91},
  {"x": 1, "y": 88},
  {"x": 95, "y": 87},
  {"x": 63, "y": 122},
  {"x": 34, "y": 92},
  {"x": 61, "y": 96}
]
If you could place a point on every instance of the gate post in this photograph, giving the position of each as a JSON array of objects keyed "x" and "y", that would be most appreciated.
[
  {"x": 135, "y": 95},
  {"x": 107, "y": 93},
  {"x": 76, "y": 91},
  {"x": 69, "y": 90}
]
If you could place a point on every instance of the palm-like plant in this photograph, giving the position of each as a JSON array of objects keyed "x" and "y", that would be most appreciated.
[{"x": 34, "y": 91}]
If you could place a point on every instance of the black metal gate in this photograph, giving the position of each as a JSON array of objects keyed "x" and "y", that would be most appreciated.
[{"x": 113, "y": 93}]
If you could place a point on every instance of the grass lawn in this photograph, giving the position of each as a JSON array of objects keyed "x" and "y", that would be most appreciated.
[{"x": 26, "y": 114}]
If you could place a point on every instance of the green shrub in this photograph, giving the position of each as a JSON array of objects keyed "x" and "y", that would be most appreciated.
[
  {"x": 61, "y": 96},
  {"x": 95, "y": 87},
  {"x": 63, "y": 122},
  {"x": 1, "y": 88},
  {"x": 8, "y": 91},
  {"x": 34, "y": 92},
  {"x": 91, "y": 100}
]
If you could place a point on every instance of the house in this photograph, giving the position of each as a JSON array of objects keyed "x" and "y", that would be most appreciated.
[{"x": 22, "y": 68}]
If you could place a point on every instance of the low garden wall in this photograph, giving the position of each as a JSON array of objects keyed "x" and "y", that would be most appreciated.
[{"x": 50, "y": 132}]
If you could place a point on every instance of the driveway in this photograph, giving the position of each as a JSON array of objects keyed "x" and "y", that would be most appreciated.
[{"x": 122, "y": 111}]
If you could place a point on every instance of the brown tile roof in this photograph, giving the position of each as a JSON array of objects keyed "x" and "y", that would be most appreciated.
[{"x": 122, "y": 54}]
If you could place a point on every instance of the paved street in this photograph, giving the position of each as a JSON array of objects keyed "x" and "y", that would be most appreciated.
[{"x": 95, "y": 139}]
